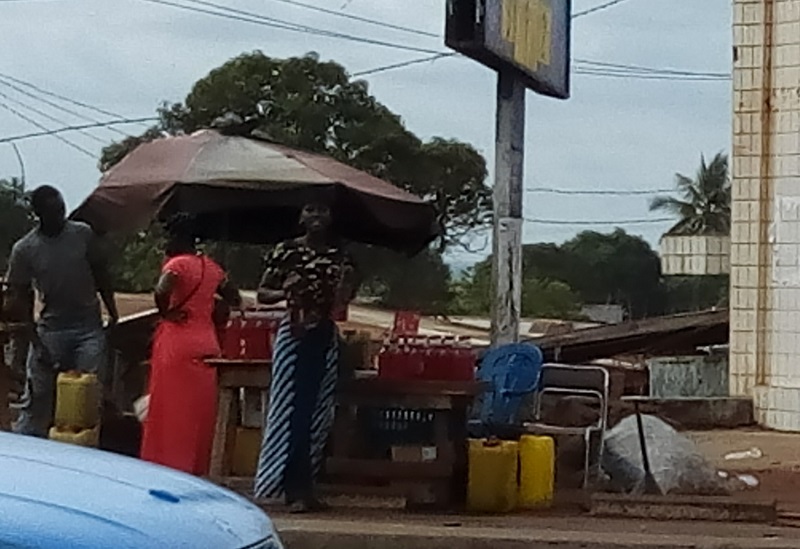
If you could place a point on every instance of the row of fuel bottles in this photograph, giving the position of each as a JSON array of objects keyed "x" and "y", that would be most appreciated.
[{"x": 77, "y": 412}]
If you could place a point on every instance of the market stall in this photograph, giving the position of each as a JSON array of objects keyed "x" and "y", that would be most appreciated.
[
  {"x": 400, "y": 426},
  {"x": 246, "y": 189}
]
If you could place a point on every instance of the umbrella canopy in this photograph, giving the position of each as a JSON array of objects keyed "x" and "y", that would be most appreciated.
[{"x": 246, "y": 189}]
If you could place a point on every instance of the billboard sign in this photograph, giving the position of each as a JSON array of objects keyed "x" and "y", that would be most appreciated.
[{"x": 528, "y": 37}]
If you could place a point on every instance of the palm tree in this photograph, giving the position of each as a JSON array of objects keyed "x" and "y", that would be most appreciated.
[{"x": 704, "y": 206}]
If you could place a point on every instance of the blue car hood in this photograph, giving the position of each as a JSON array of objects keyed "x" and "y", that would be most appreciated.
[{"x": 58, "y": 496}]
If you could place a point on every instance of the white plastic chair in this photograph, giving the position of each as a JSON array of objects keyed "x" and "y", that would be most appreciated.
[{"x": 581, "y": 381}]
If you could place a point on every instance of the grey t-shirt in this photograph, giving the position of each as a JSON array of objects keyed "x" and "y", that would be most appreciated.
[{"x": 60, "y": 268}]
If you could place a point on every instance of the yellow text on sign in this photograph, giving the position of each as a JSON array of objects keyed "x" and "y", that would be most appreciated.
[{"x": 527, "y": 26}]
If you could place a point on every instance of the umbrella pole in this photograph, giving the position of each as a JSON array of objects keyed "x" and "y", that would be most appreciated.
[{"x": 226, "y": 239}]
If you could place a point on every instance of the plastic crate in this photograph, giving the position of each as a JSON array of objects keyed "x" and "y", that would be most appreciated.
[{"x": 387, "y": 427}]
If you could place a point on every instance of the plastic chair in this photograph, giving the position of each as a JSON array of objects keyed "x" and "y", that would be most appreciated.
[
  {"x": 581, "y": 381},
  {"x": 512, "y": 372}
]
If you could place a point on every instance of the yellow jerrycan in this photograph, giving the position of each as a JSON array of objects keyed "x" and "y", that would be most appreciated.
[
  {"x": 245, "y": 452},
  {"x": 492, "y": 482},
  {"x": 536, "y": 471},
  {"x": 77, "y": 400},
  {"x": 83, "y": 437}
]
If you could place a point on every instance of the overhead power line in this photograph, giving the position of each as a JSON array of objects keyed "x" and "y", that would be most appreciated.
[
  {"x": 36, "y": 124},
  {"x": 271, "y": 22},
  {"x": 68, "y": 129},
  {"x": 44, "y": 114},
  {"x": 402, "y": 64},
  {"x": 40, "y": 94},
  {"x": 595, "y": 9},
  {"x": 639, "y": 76},
  {"x": 59, "y": 96},
  {"x": 644, "y": 73},
  {"x": 649, "y": 70},
  {"x": 367, "y": 20},
  {"x": 601, "y": 222},
  {"x": 613, "y": 192},
  {"x": 228, "y": 12},
  {"x": 39, "y": 97}
]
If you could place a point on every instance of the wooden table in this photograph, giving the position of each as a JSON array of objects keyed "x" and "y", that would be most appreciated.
[
  {"x": 233, "y": 375},
  {"x": 442, "y": 477}
]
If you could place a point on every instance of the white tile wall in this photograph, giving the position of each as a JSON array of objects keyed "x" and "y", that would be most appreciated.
[{"x": 765, "y": 235}]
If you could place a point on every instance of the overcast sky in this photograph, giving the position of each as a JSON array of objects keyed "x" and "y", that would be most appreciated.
[{"x": 126, "y": 56}]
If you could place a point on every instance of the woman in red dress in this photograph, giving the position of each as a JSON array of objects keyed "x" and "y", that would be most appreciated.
[{"x": 179, "y": 428}]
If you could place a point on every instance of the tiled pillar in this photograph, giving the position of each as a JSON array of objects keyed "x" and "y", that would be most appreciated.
[{"x": 765, "y": 234}]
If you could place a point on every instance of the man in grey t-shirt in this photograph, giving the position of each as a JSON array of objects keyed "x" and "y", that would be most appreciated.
[{"x": 62, "y": 260}]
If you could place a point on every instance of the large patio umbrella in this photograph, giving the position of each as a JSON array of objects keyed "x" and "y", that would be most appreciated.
[{"x": 245, "y": 189}]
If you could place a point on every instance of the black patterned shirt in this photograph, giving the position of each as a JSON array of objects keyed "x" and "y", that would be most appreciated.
[{"x": 314, "y": 276}]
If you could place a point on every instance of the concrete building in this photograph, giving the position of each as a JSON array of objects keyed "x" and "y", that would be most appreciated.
[{"x": 765, "y": 236}]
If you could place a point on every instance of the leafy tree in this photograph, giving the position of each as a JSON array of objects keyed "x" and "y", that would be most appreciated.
[
  {"x": 420, "y": 283},
  {"x": 137, "y": 261},
  {"x": 15, "y": 217},
  {"x": 704, "y": 206},
  {"x": 472, "y": 293},
  {"x": 615, "y": 268},
  {"x": 549, "y": 299},
  {"x": 696, "y": 293},
  {"x": 243, "y": 262},
  {"x": 313, "y": 105},
  {"x": 541, "y": 298}
]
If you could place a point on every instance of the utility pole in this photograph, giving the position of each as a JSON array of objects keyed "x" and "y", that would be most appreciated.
[
  {"x": 528, "y": 43},
  {"x": 507, "y": 221}
]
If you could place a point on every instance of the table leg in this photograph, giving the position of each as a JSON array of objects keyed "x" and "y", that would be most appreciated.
[
  {"x": 444, "y": 452},
  {"x": 459, "y": 436},
  {"x": 253, "y": 408},
  {"x": 226, "y": 417}
]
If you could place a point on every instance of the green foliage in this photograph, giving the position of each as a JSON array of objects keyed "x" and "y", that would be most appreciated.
[
  {"x": 594, "y": 268},
  {"x": 137, "y": 261},
  {"x": 541, "y": 298},
  {"x": 243, "y": 262},
  {"x": 704, "y": 206},
  {"x": 15, "y": 217},
  {"x": 549, "y": 299},
  {"x": 313, "y": 105},
  {"x": 420, "y": 283},
  {"x": 615, "y": 268},
  {"x": 695, "y": 293},
  {"x": 472, "y": 293}
]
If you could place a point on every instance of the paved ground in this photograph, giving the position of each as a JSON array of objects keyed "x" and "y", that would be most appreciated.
[
  {"x": 778, "y": 470},
  {"x": 448, "y": 532}
]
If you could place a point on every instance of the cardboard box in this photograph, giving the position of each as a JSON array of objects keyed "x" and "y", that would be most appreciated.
[{"x": 414, "y": 454}]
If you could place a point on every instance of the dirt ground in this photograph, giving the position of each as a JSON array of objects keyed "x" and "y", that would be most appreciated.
[{"x": 777, "y": 469}]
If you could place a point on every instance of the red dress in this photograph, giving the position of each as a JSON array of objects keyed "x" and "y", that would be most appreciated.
[{"x": 179, "y": 429}]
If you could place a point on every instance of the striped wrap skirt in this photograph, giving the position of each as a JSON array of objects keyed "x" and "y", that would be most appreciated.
[{"x": 300, "y": 412}]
